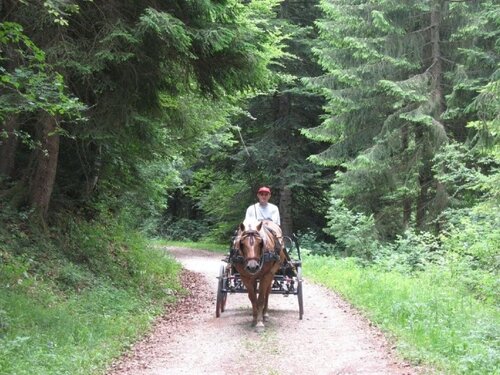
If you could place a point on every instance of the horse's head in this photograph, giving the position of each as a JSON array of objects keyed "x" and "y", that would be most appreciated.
[{"x": 251, "y": 244}]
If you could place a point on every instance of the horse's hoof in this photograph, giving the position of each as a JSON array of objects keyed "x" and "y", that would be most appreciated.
[
  {"x": 266, "y": 317},
  {"x": 259, "y": 327}
]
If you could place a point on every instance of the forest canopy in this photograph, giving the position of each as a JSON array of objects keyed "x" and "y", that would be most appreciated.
[{"x": 372, "y": 122}]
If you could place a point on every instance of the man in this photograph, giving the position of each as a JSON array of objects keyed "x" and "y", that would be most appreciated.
[{"x": 263, "y": 210}]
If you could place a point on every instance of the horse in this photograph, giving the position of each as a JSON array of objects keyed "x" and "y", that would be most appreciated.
[{"x": 259, "y": 253}]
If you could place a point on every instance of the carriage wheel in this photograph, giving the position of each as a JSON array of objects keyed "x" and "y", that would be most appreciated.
[
  {"x": 299, "y": 292},
  {"x": 221, "y": 295},
  {"x": 225, "y": 272},
  {"x": 223, "y": 304}
]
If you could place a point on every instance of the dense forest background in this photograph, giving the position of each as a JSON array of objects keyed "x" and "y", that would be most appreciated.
[
  {"x": 375, "y": 123},
  {"x": 370, "y": 118}
]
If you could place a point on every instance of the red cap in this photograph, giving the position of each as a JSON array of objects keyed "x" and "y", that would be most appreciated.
[{"x": 264, "y": 189}]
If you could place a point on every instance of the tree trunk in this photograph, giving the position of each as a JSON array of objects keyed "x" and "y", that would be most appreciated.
[
  {"x": 93, "y": 177},
  {"x": 282, "y": 107},
  {"x": 407, "y": 198},
  {"x": 8, "y": 137},
  {"x": 8, "y": 145},
  {"x": 441, "y": 197},
  {"x": 426, "y": 178},
  {"x": 441, "y": 202},
  {"x": 44, "y": 176},
  {"x": 285, "y": 207},
  {"x": 436, "y": 69}
]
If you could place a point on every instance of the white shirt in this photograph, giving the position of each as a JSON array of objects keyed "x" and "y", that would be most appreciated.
[{"x": 259, "y": 212}]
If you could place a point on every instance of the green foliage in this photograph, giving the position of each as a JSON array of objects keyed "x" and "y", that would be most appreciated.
[
  {"x": 409, "y": 253},
  {"x": 183, "y": 230},
  {"x": 160, "y": 82},
  {"x": 61, "y": 10},
  {"x": 223, "y": 199},
  {"x": 79, "y": 334},
  {"x": 462, "y": 170},
  {"x": 433, "y": 317},
  {"x": 391, "y": 107},
  {"x": 474, "y": 234},
  {"x": 266, "y": 145},
  {"x": 34, "y": 85},
  {"x": 311, "y": 244},
  {"x": 74, "y": 299},
  {"x": 353, "y": 231}
]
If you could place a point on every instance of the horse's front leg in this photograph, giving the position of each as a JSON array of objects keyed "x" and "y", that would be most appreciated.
[
  {"x": 264, "y": 290},
  {"x": 250, "y": 285}
]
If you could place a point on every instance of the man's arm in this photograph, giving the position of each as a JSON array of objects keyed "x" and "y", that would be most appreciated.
[
  {"x": 250, "y": 214},
  {"x": 276, "y": 216}
]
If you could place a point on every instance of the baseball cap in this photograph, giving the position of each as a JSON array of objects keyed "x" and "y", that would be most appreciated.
[{"x": 264, "y": 189}]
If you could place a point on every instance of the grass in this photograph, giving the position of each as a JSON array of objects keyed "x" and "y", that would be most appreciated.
[
  {"x": 63, "y": 312},
  {"x": 433, "y": 319},
  {"x": 79, "y": 334}
]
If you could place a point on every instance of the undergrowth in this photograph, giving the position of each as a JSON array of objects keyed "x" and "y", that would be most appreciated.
[
  {"x": 432, "y": 314},
  {"x": 73, "y": 299}
]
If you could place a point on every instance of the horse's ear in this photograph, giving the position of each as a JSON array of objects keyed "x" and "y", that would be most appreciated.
[
  {"x": 259, "y": 226},
  {"x": 242, "y": 227}
]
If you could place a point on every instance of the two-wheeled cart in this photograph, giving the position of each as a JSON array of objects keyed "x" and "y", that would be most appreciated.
[{"x": 287, "y": 280}]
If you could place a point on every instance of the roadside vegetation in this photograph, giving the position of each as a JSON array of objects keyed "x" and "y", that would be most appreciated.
[
  {"x": 75, "y": 298},
  {"x": 436, "y": 299},
  {"x": 432, "y": 317}
]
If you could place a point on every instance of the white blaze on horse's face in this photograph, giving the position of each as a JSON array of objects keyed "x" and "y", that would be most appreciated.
[{"x": 251, "y": 246}]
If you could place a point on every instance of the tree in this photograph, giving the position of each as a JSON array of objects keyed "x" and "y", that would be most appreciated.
[
  {"x": 390, "y": 67},
  {"x": 268, "y": 147},
  {"x": 149, "y": 74},
  {"x": 30, "y": 85}
]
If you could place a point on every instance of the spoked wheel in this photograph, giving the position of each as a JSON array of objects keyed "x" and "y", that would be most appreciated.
[
  {"x": 221, "y": 295},
  {"x": 299, "y": 292}
]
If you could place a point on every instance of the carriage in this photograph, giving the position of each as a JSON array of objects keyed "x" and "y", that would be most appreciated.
[{"x": 287, "y": 280}]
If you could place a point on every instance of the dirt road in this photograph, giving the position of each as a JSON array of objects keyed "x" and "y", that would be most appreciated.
[{"x": 331, "y": 339}]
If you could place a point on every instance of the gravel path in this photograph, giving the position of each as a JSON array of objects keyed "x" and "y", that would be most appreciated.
[{"x": 331, "y": 339}]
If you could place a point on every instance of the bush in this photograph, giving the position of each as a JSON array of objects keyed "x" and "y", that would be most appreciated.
[
  {"x": 353, "y": 231},
  {"x": 474, "y": 233},
  {"x": 184, "y": 229},
  {"x": 409, "y": 253},
  {"x": 309, "y": 243}
]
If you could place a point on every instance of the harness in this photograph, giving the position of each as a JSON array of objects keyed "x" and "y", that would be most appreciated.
[{"x": 235, "y": 255}]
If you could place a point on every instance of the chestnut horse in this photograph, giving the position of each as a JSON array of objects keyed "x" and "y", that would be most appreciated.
[{"x": 258, "y": 254}]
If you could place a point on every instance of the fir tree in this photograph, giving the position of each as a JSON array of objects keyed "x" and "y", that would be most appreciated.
[{"x": 390, "y": 69}]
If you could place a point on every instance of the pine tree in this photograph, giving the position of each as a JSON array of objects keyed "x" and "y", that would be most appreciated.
[{"x": 389, "y": 72}]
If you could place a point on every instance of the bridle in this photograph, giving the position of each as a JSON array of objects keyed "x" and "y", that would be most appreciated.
[
  {"x": 252, "y": 236},
  {"x": 238, "y": 256}
]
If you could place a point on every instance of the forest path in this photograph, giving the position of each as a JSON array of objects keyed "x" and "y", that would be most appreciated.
[{"x": 331, "y": 339}]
